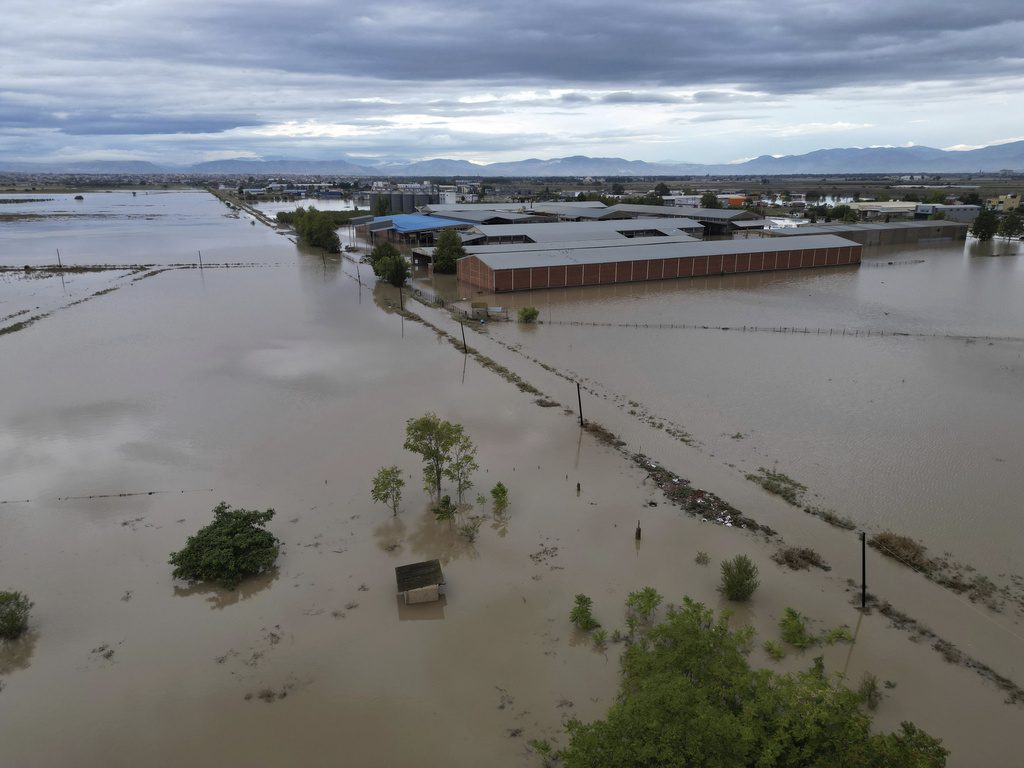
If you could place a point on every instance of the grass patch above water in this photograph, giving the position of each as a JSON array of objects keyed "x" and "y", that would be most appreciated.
[{"x": 779, "y": 484}]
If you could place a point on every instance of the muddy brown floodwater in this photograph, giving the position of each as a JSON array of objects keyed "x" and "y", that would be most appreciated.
[{"x": 286, "y": 387}]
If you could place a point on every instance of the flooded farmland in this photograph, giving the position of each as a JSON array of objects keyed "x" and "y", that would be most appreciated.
[{"x": 281, "y": 382}]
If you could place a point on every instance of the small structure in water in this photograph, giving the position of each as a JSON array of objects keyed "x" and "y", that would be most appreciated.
[
  {"x": 420, "y": 582},
  {"x": 79, "y": 197}
]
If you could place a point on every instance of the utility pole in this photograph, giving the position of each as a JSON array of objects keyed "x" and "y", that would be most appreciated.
[
  {"x": 863, "y": 570},
  {"x": 465, "y": 349},
  {"x": 579, "y": 399}
]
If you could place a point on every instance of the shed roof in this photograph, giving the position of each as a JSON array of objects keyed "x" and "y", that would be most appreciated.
[
  {"x": 413, "y": 222},
  {"x": 482, "y": 216},
  {"x": 558, "y": 231},
  {"x": 514, "y": 257},
  {"x": 416, "y": 575},
  {"x": 720, "y": 214}
]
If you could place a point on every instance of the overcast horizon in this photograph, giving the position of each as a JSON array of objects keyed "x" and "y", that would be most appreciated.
[{"x": 654, "y": 81}]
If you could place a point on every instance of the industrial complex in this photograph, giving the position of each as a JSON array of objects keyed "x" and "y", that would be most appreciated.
[{"x": 529, "y": 246}]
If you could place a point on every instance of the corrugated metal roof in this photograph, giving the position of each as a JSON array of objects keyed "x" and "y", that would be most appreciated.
[
  {"x": 561, "y": 245},
  {"x": 637, "y": 251},
  {"x": 486, "y": 215},
  {"x": 558, "y": 231},
  {"x": 868, "y": 226},
  {"x": 413, "y": 222}
]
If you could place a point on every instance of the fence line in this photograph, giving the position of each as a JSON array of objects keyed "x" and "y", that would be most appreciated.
[{"x": 855, "y": 332}]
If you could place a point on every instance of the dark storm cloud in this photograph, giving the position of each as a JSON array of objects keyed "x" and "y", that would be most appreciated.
[
  {"x": 631, "y": 97},
  {"x": 150, "y": 68}
]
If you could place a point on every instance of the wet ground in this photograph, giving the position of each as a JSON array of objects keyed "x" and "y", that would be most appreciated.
[{"x": 286, "y": 387}]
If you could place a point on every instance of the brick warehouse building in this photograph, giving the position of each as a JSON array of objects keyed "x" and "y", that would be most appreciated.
[{"x": 522, "y": 270}]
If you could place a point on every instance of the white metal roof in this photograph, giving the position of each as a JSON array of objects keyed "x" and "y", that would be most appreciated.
[
  {"x": 558, "y": 231},
  {"x": 506, "y": 257}
]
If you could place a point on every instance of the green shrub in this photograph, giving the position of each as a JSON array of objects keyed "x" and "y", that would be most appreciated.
[
  {"x": 234, "y": 546},
  {"x": 528, "y": 314},
  {"x": 739, "y": 578},
  {"x": 581, "y": 614},
  {"x": 793, "y": 625},
  {"x": 643, "y": 602},
  {"x": 499, "y": 493},
  {"x": 14, "y": 612},
  {"x": 600, "y": 638},
  {"x": 775, "y": 650},
  {"x": 869, "y": 691},
  {"x": 839, "y": 635},
  {"x": 702, "y": 558}
]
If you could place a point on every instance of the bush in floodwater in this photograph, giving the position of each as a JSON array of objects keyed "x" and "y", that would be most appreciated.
[
  {"x": 600, "y": 638},
  {"x": 499, "y": 494},
  {"x": 775, "y": 650},
  {"x": 702, "y": 558},
  {"x": 793, "y": 626},
  {"x": 581, "y": 614},
  {"x": 643, "y": 602},
  {"x": 528, "y": 314},
  {"x": 234, "y": 546},
  {"x": 739, "y": 578},
  {"x": 14, "y": 612},
  {"x": 869, "y": 691}
]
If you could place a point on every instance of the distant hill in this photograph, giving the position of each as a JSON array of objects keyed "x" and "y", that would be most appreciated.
[{"x": 904, "y": 160}]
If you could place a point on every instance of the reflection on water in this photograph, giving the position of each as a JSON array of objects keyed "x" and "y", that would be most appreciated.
[
  {"x": 16, "y": 655},
  {"x": 421, "y": 611},
  {"x": 219, "y": 597},
  {"x": 917, "y": 434},
  {"x": 433, "y": 539},
  {"x": 389, "y": 535}
]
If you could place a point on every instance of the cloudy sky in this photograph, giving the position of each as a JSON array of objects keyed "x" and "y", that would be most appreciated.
[{"x": 710, "y": 81}]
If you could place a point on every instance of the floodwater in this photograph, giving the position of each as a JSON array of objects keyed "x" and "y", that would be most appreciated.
[
  {"x": 919, "y": 433},
  {"x": 286, "y": 386}
]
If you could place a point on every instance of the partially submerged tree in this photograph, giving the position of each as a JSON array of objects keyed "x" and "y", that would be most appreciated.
[
  {"x": 234, "y": 546},
  {"x": 499, "y": 494},
  {"x": 448, "y": 251},
  {"x": 985, "y": 225},
  {"x": 462, "y": 465},
  {"x": 689, "y": 698},
  {"x": 581, "y": 614},
  {"x": 387, "y": 487},
  {"x": 1012, "y": 225},
  {"x": 444, "y": 510},
  {"x": 15, "y": 609},
  {"x": 433, "y": 439},
  {"x": 643, "y": 602}
]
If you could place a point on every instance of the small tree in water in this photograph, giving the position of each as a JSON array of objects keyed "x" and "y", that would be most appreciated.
[
  {"x": 448, "y": 251},
  {"x": 234, "y": 546},
  {"x": 387, "y": 487},
  {"x": 739, "y": 578},
  {"x": 14, "y": 612},
  {"x": 581, "y": 614},
  {"x": 462, "y": 466},
  {"x": 499, "y": 494},
  {"x": 445, "y": 510},
  {"x": 434, "y": 439}
]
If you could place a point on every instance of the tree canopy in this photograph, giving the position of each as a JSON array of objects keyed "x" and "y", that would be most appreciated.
[
  {"x": 449, "y": 250},
  {"x": 389, "y": 264},
  {"x": 689, "y": 698},
  {"x": 985, "y": 226},
  {"x": 710, "y": 200},
  {"x": 318, "y": 228},
  {"x": 234, "y": 546},
  {"x": 434, "y": 439}
]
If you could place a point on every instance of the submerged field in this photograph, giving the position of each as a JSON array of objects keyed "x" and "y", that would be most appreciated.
[{"x": 286, "y": 387}]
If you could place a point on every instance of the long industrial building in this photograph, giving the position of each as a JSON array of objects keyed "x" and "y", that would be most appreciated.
[
  {"x": 499, "y": 269},
  {"x": 888, "y": 233}
]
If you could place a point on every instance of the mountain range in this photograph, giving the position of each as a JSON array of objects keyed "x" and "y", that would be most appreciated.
[{"x": 902, "y": 160}]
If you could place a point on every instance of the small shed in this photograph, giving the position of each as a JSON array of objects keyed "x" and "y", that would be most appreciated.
[{"x": 420, "y": 582}]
